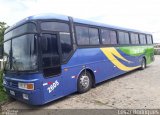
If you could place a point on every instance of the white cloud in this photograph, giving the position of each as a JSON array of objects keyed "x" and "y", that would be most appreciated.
[{"x": 138, "y": 14}]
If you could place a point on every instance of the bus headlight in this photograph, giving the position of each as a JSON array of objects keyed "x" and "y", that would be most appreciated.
[{"x": 26, "y": 86}]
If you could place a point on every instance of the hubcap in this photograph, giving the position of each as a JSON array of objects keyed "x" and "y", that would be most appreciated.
[{"x": 84, "y": 81}]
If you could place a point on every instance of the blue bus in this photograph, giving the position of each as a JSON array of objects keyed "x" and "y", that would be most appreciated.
[{"x": 50, "y": 56}]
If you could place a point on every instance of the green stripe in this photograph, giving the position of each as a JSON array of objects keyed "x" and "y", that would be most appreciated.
[{"x": 148, "y": 51}]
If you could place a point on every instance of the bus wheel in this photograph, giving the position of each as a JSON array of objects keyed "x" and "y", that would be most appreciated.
[
  {"x": 84, "y": 82},
  {"x": 143, "y": 64}
]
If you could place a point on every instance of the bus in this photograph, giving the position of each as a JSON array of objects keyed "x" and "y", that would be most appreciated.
[{"x": 49, "y": 56}]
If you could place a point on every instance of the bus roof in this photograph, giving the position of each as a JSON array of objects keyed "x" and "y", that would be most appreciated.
[{"x": 64, "y": 17}]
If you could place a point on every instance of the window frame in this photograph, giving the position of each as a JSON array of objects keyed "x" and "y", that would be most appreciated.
[
  {"x": 110, "y": 30},
  {"x": 131, "y": 38},
  {"x": 140, "y": 38},
  {"x": 77, "y": 36},
  {"x": 60, "y": 21},
  {"x": 151, "y": 39},
  {"x": 70, "y": 54},
  {"x": 88, "y": 26},
  {"x": 124, "y": 35},
  {"x": 90, "y": 35}
]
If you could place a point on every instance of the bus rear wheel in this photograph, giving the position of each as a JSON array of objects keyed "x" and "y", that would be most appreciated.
[
  {"x": 143, "y": 64},
  {"x": 84, "y": 82}
]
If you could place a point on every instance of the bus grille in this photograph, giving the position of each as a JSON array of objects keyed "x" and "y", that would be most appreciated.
[{"x": 12, "y": 83}]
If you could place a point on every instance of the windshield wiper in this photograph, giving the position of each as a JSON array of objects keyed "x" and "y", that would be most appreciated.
[{"x": 14, "y": 65}]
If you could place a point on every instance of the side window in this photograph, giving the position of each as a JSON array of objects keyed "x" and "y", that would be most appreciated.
[
  {"x": 134, "y": 38},
  {"x": 123, "y": 37},
  {"x": 82, "y": 35},
  {"x": 113, "y": 37},
  {"x": 149, "y": 39},
  {"x": 49, "y": 50},
  {"x": 66, "y": 45},
  {"x": 108, "y": 37},
  {"x": 50, "y": 55},
  {"x": 105, "y": 36},
  {"x": 93, "y": 36},
  {"x": 142, "y": 39}
]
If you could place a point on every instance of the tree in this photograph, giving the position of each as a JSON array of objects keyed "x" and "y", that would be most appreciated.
[{"x": 3, "y": 27}]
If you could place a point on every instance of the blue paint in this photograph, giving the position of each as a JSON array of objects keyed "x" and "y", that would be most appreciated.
[{"x": 92, "y": 58}]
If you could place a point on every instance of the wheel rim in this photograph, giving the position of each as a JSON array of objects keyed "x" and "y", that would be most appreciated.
[{"x": 84, "y": 81}]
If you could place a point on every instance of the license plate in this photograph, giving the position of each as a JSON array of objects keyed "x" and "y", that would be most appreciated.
[{"x": 12, "y": 92}]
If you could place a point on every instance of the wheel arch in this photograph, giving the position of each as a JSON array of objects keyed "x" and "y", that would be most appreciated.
[
  {"x": 92, "y": 74},
  {"x": 144, "y": 57}
]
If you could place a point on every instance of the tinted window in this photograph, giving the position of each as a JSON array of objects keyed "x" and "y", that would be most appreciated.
[
  {"x": 149, "y": 39},
  {"x": 93, "y": 35},
  {"x": 134, "y": 38},
  {"x": 123, "y": 37},
  {"x": 26, "y": 28},
  {"x": 113, "y": 37},
  {"x": 49, "y": 50},
  {"x": 82, "y": 35},
  {"x": 108, "y": 37},
  {"x": 6, "y": 53},
  {"x": 55, "y": 26},
  {"x": 66, "y": 45},
  {"x": 142, "y": 39}
]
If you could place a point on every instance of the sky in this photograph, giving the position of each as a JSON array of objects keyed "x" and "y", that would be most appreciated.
[{"x": 142, "y": 15}]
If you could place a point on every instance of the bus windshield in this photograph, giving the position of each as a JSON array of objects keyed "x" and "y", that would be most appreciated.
[
  {"x": 22, "y": 56},
  {"x": 20, "y": 53}
]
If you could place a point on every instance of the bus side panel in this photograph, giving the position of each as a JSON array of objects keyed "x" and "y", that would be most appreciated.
[
  {"x": 150, "y": 54},
  {"x": 123, "y": 58},
  {"x": 52, "y": 88},
  {"x": 82, "y": 58},
  {"x": 102, "y": 65},
  {"x": 69, "y": 76}
]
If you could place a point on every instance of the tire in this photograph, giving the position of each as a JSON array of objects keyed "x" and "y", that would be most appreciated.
[
  {"x": 84, "y": 83},
  {"x": 143, "y": 64}
]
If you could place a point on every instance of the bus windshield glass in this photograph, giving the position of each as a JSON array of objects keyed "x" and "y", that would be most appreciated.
[
  {"x": 20, "y": 53},
  {"x": 23, "y": 54}
]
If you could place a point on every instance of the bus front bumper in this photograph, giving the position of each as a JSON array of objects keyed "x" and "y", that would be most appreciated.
[{"x": 34, "y": 97}]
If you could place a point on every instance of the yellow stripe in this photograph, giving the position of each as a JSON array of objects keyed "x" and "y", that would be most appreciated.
[
  {"x": 116, "y": 53},
  {"x": 109, "y": 54}
]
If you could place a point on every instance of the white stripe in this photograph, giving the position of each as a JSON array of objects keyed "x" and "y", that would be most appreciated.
[{"x": 45, "y": 84}]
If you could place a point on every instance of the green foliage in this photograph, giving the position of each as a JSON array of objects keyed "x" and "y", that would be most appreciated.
[
  {"x": 3, "y": 95},
  {"x": 3, "y": 27},
  {"x": 1, "y": 74}
]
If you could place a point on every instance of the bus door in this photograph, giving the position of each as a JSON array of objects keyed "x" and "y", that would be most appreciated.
[{"x": 51, "y": 66}]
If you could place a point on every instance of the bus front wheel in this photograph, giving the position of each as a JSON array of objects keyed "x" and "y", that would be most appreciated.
[
  {"x": 84, "y": 82},
  {"x": 143, "y": 64}
]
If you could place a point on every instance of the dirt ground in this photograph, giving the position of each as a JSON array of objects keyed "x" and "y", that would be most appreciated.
[{"x": 139, "y": 89}]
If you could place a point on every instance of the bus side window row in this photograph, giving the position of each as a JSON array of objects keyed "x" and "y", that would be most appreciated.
[{"x": 90, "y": 36}]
